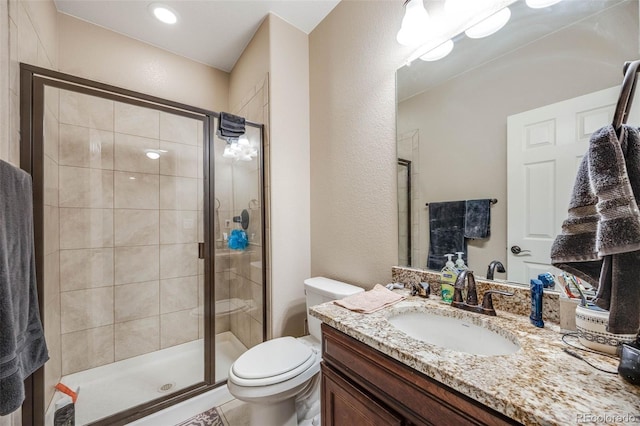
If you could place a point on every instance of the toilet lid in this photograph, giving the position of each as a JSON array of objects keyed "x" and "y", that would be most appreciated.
[{"x": 280, "y": 359}]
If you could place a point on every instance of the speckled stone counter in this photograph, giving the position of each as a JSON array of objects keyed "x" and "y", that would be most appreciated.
[{"x": 538, "y": 385}]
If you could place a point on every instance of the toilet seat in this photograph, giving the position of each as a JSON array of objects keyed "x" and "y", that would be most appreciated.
[{"x": 272, "y": 362}]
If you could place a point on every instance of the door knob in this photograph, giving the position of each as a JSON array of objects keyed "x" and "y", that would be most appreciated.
[{"x": 518, "y": 250}]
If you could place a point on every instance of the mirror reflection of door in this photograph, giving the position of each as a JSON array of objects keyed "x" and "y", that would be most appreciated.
[
  {"x": 404, "y": 211},
  {"x": 544, "y": 149}
]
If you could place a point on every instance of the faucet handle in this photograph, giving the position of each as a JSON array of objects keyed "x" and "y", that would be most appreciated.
[{"x": 487, "y": 300}]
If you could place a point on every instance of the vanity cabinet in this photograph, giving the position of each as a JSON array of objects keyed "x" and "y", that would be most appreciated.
[{"x": 362, "y": 386}]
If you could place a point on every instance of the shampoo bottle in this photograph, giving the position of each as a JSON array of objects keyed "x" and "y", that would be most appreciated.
[
  {"x": 448, "y": 277},
  {"x": 536, "y": 303}
]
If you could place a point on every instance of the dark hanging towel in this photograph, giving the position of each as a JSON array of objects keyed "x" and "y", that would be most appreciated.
[
  {"x": 446, "y": 232},
  {"x": 230, "y": 126},
  {"x": 477, "y": 223},
  {"x": 22, "y": 346}
]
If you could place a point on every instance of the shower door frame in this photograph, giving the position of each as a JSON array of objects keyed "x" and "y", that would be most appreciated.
[{"x": 33, "y": 80}]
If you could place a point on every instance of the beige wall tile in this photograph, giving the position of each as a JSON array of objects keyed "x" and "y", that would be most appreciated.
[
  {"x": 86, "y": 268},
  {"x": 256, "y": 310},
  {"x": 86, "y": 349},
  {"x": 175, "y": 128},
  {"x": 178, "y": 294},
  {"x": 131, "y": 154},
  {"x": 84, "y": 309},
  {"x": 135, "y": 301},
  {"x": 177, "y": 226},
  {"x": 85, "y": 147},
  {"x": 136, "y": 191},
  {"x": 179, "y": 160},
  {"x": 53, "y": 367},
  {"x": 222, "y": 285},
  {"x": 82, "y": 187},
  {"x": 136, "y": 227},
  {"x": 86, "y": 228},
  {"x": 256, "y": 333},
  {"x": 52, "y": 280},
  {"x": 51, "y": 229},
  {"x": 137, "y": 121},
  {"x": 137, "y": 337},
  {"x": 52, "y": 100},
  {"x": 50, "y": 181},
  {"x": 51, "y": 135},
  {"x": 178, "y": 260},
  {"x": 178, "y": 193},
  {"x": 136, "y": 264},
  {"x": 86, "y": 110},
  {"x": 178, "y": 327},
  {"x": 27, "y": 38}
]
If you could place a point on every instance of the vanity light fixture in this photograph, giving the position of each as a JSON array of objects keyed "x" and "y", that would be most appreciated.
[
  {"x": 490, "y": 25},
  {"x": 539, "y": 4},
  {"x": 413, "y": 30},
  {"x": 163, "y": 13},
  {"x": 438, "y": 52}
]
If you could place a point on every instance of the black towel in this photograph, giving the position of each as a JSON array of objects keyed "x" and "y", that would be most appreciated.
[
  {"x": 600, "y": 240},
  {"x": 22, "y": 346},
  {"x": 230, "y": 126},
  {"x": 446, "y": 232},
  {"x": 477, "y": 224}
]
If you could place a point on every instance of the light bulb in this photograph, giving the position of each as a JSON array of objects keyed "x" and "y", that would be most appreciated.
[
  {"x": 439, "y": 52},
  {"x": 152, "y": 155},
  {"x": 414, "y": 24},
  {"x": 489, "y": 25},
  {"x": 539, "y": 4},
  {"x": 163, "y": 13}
]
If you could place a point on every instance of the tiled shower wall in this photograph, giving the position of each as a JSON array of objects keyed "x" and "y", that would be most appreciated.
[
  {"x": 128, "y": 230},
  {"x": 246, "y": 266}
]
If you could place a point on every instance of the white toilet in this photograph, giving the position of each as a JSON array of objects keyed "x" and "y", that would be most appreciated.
[{"x": 279, "y": 375}]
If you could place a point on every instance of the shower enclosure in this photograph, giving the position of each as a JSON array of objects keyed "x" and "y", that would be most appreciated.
[{"x": 143, "y": 303}]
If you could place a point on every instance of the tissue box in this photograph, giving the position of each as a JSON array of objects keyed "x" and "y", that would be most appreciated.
[{"x": 592, "y": 331}]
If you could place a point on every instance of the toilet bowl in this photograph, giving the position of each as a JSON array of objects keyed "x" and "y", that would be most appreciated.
[{"x": 279, "y": 378}]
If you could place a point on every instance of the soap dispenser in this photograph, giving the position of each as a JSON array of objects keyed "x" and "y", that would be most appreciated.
[
  {"x": 448, "y": 277},
  {"x": 460, "y": 266}
]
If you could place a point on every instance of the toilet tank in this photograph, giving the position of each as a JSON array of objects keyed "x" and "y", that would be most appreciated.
[{"x": 319, "y": 290}]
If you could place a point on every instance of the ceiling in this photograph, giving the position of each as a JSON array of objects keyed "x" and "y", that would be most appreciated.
[{"x": 213, "y": 32}]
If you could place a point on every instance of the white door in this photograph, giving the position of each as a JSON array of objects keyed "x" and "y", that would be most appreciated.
[{"x": 544, "y": 149}]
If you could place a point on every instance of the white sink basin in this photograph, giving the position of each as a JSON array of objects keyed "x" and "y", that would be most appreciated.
[{"x": 453, "y": 333}]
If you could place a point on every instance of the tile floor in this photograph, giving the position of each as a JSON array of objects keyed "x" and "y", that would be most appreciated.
[{"x": 234, "y": 413}]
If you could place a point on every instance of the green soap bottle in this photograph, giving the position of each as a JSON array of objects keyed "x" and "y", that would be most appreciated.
[{"x": 448, "y": 277}]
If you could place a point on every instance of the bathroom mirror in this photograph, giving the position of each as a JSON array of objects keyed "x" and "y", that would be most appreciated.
[{"x": 452, "y": 122}]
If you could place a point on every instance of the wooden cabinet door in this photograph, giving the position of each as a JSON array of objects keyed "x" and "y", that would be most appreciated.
[{"x": 345, "y": 405}]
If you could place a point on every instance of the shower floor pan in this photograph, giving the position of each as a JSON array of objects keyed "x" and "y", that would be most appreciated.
[{"x": 115, "y": 387}]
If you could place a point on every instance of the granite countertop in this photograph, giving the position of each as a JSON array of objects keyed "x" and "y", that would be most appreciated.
[{"x": 538, "y": 385}]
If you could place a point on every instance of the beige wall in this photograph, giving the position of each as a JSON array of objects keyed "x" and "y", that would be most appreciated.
[
  {"x": 28, "y": 33},
  {"x": 353, "y": 58},
  {"x": 462, "y": 122},
  {"x": 289, "y": 175},
  {"x": 96, "y": 53}
]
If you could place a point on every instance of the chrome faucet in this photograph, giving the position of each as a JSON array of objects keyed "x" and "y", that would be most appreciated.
[
  {"x": 495, "y": 265},
  {"x": 472, "y": 296}
]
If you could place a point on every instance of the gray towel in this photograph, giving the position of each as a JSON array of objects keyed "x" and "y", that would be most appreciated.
[
  {"x": 446, "y": 232},
  {"x": 600, "y": 240},
  {"x": 22, "y": 346},
  {"x": 477, "y": 222},
  {"x": 230, "y": 126}
]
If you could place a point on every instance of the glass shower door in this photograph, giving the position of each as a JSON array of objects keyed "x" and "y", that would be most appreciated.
[{"x": 123, "y": 215}]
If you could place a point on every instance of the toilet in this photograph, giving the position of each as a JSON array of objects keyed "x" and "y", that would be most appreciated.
[{"x": 279, "y": 378}]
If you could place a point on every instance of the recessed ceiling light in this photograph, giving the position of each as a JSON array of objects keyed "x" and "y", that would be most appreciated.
[{"x": 163, "y": 13}]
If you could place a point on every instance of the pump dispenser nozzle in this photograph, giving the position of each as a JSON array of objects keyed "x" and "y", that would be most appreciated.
[
  {"x": 460, "y": 261},
  {"x": 449, "y": 263}
]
